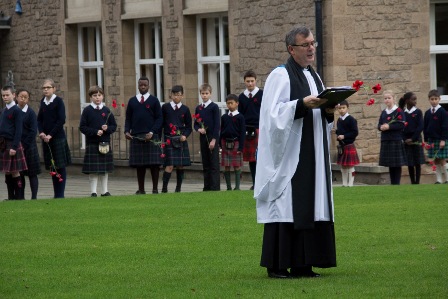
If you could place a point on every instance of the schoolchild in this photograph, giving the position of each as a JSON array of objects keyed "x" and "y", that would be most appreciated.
[
  {"x": 207, "y": 118},
  {"x": 412, "y": 135},
  {"x": 177, "y": 126},
  {"x": 97, "y": 124},
  {"x": 391, "y": 124},
  {"x": 346, "y": 132},
  {"x": 12, "y": 157},
  {"x": 50, "y": 123},
  {"x": 249, "y": 106},
  {"x": 436, "y": 134},
  {"x": 143, "y": 125},
  {"x": 29, "y": 144},
  {"x": 232, "y": 136}
]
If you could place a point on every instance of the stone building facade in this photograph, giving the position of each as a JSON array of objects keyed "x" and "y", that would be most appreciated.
[{"x": 189, "y": 41}]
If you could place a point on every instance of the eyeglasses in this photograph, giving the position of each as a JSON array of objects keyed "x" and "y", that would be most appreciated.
[
  {"x": 306, "y": 45},
  {"x": 47, "y": 87}
]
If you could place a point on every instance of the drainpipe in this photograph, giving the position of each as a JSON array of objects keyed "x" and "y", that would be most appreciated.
[{"x": 319, "y": 33}]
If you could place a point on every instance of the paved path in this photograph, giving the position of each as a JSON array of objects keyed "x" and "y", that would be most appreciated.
[{"x": 78, "y": 186}]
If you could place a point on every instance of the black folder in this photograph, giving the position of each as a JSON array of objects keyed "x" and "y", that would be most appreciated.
[{"x": 335, "y": 95}]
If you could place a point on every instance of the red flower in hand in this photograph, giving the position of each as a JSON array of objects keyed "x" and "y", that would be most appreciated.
[
  {"x": 162, "y": 155},
  {"x": 405, "y": 123},
  {"x": 399, "y": 116},
  {"x": 168, "y": 141}
]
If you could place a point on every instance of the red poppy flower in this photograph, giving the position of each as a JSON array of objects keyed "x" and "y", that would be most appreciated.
[
  {"x": 357, "y": 84},
  {"x": 398, "y": 109},
  {"x": 434, "y": 168},
  {"x": 114, "y": 103},
  {"x": 399, "y": 116},
  {"x": 168, "y": 141},
  {"x": 103, "y": 114},
  {"x": 162, "y": 155},
  {"x": 370, "y": 102},
  {"x": 376, "y": 88},
  {"x": 122, "y": 104},
  {"x": 10, "y": 116},
  {"x": 61, "y": 180},
  {"x": 388, "y": 118},
  {"x": 435, "y": 118},
  {"x": 162, "y": 145},
  {"x": 413, "y": 115},
  {"x": 147, "y": 106},
  {"x": 405, "y": 123}
]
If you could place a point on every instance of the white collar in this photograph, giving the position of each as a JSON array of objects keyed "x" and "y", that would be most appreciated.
[
  {"x": 391, "y": 110},
  {"x": 25, "y": 108},
  {"x": 94, "y": 105},
  {"x": 173, "y": 105},
  {"x": 10, "y": 105},
  {"x": 145, "y": 96},
  {"x": 234, "y": 113},
  {"x": 47, "y": 102},
  {"x": 345, "y": 116},
  {"x": 253, "y": 92},
  {"x": 436, "y": 108},
  {"x": 410, "y": 111},
  {"x": 207, "y": 103}
]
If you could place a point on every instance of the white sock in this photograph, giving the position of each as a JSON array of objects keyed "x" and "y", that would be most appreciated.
[
  {"x": 344, "y": 172},
  {"x": 104, "y": 179},
  {"x": 93, "y": 179},
  {"x": 445, "y": 170},
  {"x": 351, "y": 176},
  {"x": 439, "y": 171}
]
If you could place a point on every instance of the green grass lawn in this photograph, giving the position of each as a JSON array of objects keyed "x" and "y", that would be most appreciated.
[{"x": 391, "y": 243}]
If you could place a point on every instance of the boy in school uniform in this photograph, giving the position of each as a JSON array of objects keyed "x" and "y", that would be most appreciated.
[
  {"x": 436, "y": 133},
  {"x": 346, "y": 132},
  {"x": 142, "y": 127},
  {"x": 207, "y": 118},
  {"x": 12, "y": 158},
  {"x": 249, "y": 106},
  {"x": 233, "y": 134},
  {"x": 177, "y": 126}
]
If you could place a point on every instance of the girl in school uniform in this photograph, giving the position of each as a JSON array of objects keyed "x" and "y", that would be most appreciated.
[
  {"x": 29, "y": 133},
  {"x": 391, "y": 124},
  {"x": 50, "y": 123},
  {"x": 97, "y": 123},
  {"x": 12, "y": 158},
  {"x": 412, "y": 136}
]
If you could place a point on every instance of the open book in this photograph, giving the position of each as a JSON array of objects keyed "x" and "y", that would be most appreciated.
[{"x": 335, "y": 95}]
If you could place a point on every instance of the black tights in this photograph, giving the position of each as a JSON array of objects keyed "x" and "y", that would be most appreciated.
[
  {"x": 141, "y": 172},
  {"x": 395, "y": 175},
  {"x": 414, "y": 174}
]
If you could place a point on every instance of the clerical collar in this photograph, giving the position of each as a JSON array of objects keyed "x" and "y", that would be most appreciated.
[
  {"x": 48, "y": 101},
  {"x": 94, "y": 105}
]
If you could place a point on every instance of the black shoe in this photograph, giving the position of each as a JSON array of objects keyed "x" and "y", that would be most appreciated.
[
  {"x": 93, "y": 195},
  {"x": 164, "y": 190},
  {"x": 306, "y": 272},
  {"x": 251, "y": 188},
  {"x": 139, "y": 192},
  {"x": 278, "y": 273},
  {"x": 106, "y": 194},
  {"x": 437, "y": 183},
  {"x": 155, "y": 191}
]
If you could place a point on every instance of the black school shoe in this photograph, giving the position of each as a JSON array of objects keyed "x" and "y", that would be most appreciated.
[
  {"x": 106, "y": 194},
  {"x": 303, "y": 272},
  {"x": 273, "y": 273},
  {"x": 93, "y": 195}
]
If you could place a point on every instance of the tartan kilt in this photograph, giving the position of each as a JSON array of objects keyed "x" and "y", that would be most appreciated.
[
  {"x": 441, "y": 153},
  {"x": 392, "y": 153},
  {"x": 349, "y": 156},
  {"x": 177, "y": 156},
  {"x": 15, "y": 163},
  {"x": 250, "y": 148},
  {"x": 60, "y": 150},
  {"x": 414, "y": 154},
  {"x": 95, "y": 162},
  {"x": 144, "y": 153},
  {"x": 231, "y": 157},
  {"x": 32, "y": 160}
]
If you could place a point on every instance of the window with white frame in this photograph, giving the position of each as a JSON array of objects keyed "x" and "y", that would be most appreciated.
[
  {"x": 439, "y": 47},
  {"x": 149, "y": 55},
  {"x": 90, "y": 57},
  {"x": 213, "y": 55}
]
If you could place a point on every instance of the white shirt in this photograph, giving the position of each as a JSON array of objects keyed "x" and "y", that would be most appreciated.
[{"x": 47, "y": 102}]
